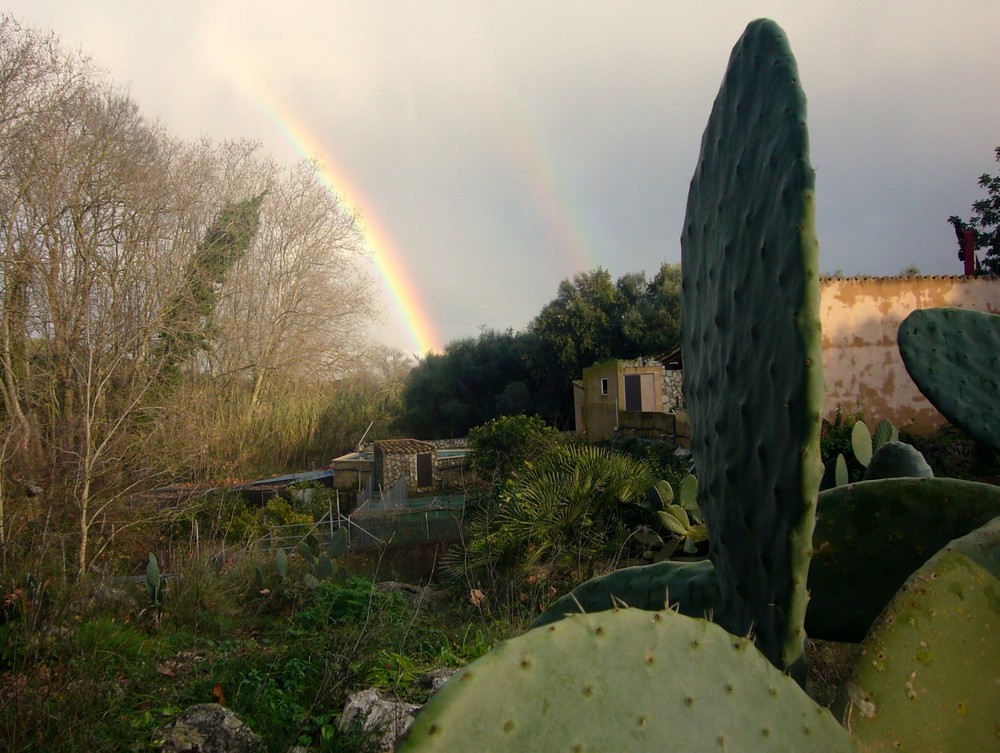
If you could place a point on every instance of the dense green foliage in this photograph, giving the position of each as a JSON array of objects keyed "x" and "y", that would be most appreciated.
[
  {"x": 562, "y": 511},
  {"x": 188, "y": 319},
  {"x": 472, "y": 381},
  {"x": 95, "y": 669},
  {"x": 502, "y": 446},
  {"x": 593, "y": 318},
  {"x": 985, "y": 221}
]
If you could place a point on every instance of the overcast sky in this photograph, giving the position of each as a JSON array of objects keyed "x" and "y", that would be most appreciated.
[{"x": 500, "y": 147}]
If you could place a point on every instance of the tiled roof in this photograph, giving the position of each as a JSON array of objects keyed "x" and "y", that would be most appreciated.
[{"x": 403, "y": 446}]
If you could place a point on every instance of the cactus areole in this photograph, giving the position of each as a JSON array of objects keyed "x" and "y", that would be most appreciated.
[{"x": 751, "y": 342}]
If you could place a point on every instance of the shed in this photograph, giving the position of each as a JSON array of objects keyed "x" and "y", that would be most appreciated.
[{"x": 411, "y": 459}]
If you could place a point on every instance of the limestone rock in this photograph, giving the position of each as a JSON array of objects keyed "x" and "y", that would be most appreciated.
[
  {"x": 433, "y": 680},
  {"x": 208, "y": 728},
  {"x": 372, "y": 712}
]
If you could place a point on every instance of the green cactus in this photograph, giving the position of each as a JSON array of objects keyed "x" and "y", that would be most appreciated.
[
  {"x": 881, "y": 454},
  {"x": 834, "y": 473},
  {"x": 861, "y": 443},
  {"x": 308, "y": 549},
  {"x": 660, "y": 494},
  {"x": 927, "y": 679},
  {"x": 624, "y": 681},
  {"x": 337, "y": 544},
  {"x": 751, "y": 342},
  {"x": 873, "y": 532},
  {"x": 884, "y": 432},
  {"x": 876, "y": 533},
  {"x": 684, "y": 520},
  {"x": 322, "y": 565},
  {"x": 281, "y": 563},
  {"x": 897, "y": 460},
  {"x": 155, "y": 583},
  {"x": 689, "y": 587},
  {"x": 953, "y": 356}
]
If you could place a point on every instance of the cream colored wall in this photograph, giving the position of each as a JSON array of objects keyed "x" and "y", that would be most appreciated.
[
  {"x": 651, "y": 381},
  {"x": 862, "y": 365},
  {"x": 600, "y": 412}
]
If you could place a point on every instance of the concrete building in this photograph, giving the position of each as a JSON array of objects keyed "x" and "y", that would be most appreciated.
[{"x": 621, "y": 397}]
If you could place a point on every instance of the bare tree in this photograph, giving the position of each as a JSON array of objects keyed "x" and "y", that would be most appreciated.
[
  {"x": 104, "y": 217},
  {"x": 297, "y": 305}
]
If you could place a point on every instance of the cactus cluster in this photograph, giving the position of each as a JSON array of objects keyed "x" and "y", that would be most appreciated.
[
  {"x": 877, "y": 533},
  {"x": 628, "y": 679},
  {"x": 881, "y": 454},
  {"x": 321, "y": 565},
  {"x": 683, "y": 521}
]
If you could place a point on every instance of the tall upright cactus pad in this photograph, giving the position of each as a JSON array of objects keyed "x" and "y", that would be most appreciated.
[
  {"x": 624, "y": 681},
  {"x": 753, "y": 380},
  {"x": 953, "y": 356},
  {"x": 928, "y": 678}
]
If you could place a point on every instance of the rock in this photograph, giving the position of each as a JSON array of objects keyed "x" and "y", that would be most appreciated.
[
  {"x": 415, "y": 596},
  {"x": 374, "y": 713},
  {"x": 208, "y": 728},
  {"x": 433, "y": 680}
]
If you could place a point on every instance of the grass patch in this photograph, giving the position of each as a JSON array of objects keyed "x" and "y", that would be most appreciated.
[{"x": 97, "y": 669}]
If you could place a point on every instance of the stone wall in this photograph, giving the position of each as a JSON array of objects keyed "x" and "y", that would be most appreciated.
[
  {"x": 397, "y": 458},
  {"x": 449, "y": 444},
  {"x": 673, "y": 395}
]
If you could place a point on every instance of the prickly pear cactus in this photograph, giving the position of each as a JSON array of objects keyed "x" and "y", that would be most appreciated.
[
  {"x": 876, "y": 533},
  {"x": 953, "y": 356},
  {"x": 154, "y": 582},
  {"x": 896, "y": 460},
  {"x": 929, "y": 675},
  {"x": 624, "y": 681},
  {"x": 834, "y": 473},
  {"x": 861, "y": 443},
  {"x": 753, "y": 380},
  {"x": 690, "y": 587},
  {"x": 884, "y": 432}
]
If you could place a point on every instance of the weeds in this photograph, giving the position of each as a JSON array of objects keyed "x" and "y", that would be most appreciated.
[{"x": 87, "y": 668}]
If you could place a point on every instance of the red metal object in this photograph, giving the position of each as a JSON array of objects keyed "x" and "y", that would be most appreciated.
[{"x": 968, "y": 254}]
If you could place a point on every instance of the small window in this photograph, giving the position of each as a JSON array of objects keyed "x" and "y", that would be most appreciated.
[{"x": 604, "y": 386}]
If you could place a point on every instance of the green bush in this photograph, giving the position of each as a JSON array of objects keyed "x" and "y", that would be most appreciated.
[
  {"x": 501, "y": 446},
  {"x": 662, "y": 457},
  {"x": 561, "y": 511}
]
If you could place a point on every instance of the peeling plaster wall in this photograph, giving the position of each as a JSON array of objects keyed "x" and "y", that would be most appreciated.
[{"x": 862, "y": 365}]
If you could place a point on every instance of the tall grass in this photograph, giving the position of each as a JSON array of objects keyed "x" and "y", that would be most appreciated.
[{"x": 91, "y": 665}]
